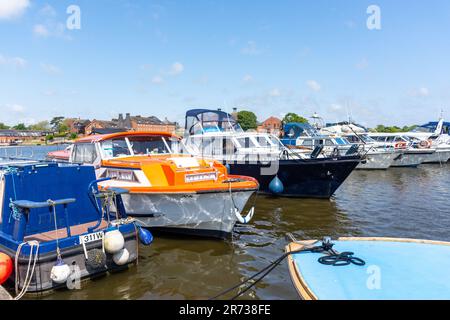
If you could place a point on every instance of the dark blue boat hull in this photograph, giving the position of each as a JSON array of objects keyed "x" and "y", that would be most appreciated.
[{"x": 312, "y": 178}]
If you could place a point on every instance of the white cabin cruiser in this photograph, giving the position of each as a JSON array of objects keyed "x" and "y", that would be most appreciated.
[
  {"x": 215, "y": 134},
  {"x": 379, "y": 156},
  {"x": 414, "y": 153},
  {"x": 436, "y": 134}
]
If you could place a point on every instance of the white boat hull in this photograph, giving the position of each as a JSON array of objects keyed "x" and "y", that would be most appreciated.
[
  {"x": 440, "y": 156},
  {"x": 377, "y": 161},
  {"x": 411, "y": 159},
  {"x": 204, "y": 214}
]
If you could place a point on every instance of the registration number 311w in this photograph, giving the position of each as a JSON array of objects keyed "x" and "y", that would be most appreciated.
[{"x": 91, "y": 237}]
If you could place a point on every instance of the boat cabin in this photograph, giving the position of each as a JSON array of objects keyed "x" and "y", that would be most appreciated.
[{"x": 94, "y": 149}]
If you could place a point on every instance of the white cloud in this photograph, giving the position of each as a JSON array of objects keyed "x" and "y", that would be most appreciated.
[
  {"x": 16, "y": 108},
  {"x": 51, "y": 69},
  {"x": 48, "y": 11},
  {"x": 420, "y": 92},
  {"x": 247, "y": 78},
  {"x": 313, "y": 85},
  {"x": 251, "y": 49},
  {"x": 49, "y": 93},
  {"x": 13, "y": 8},
  {"x": 41, "y": 30},
  {"x": 335, "y": 107},
  {"x": 157, "y": 80},
  {"x": 51, "y": 29},
  {"x": 176, "y": 69},
  {"x": 14, "y": 61},
  {"x": 363, "y": 64},
  {"x": 275, "y": 92}
]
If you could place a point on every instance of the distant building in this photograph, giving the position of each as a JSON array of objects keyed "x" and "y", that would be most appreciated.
[
  {"x": 130, "y": 123},
  {"x": 140, "y": 123},
  {"x": 93, "y": 125},
  {"x": 76, "y": 125},
  {"x": 10, "y": 136},
  {"x": 272, "y": 125}
]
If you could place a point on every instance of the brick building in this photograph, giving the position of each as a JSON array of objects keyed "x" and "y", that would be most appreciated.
[
  {"x": 10, "y": 136},
  {"x": 272, "y": 125},
  {"x": 130, "y": 123}
]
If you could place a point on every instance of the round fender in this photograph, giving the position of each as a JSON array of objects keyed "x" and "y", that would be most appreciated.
[
  {"x": 114, "y": 241},
  {"x": 6, "y": 267},
  {"x": 245, "y": 219}
]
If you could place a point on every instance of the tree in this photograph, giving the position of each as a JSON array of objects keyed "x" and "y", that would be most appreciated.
[
  {"x": 20, "y": 126},
  {"x": 3, "y": 126},
  {"x": 293, "y": 117},
  {"x": 56, "y": 122},
  {"x": 41, "y": 126},
  {"x": 394, "y": 129},
  {"x": 63, "y": 128},
  {"x": 247, "y": 120}
]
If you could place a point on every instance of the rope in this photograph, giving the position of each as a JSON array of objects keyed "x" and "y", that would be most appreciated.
[
  {"x": 29, "y": 275},
  {"x": 332, "y": 259},
  {"x": 53, "y": 205}
]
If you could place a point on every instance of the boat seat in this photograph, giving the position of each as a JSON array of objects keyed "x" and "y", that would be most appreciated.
[
  {"x": 62, "y": 233},
  {"x": 26, "y": 204}
]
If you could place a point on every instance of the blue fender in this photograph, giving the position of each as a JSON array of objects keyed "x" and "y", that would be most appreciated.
[
  {"x": 276, "y": 186},
  {"x": 145, "y": 236}
]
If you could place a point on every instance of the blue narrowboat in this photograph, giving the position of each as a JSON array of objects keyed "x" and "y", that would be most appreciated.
[{"x": 57, "y": 228}]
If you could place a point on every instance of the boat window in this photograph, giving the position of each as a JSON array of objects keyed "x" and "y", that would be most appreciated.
[
  {"x": 246, "y": 142},
  {"x": 341, "y": 141},
  {"x": 115, "y": 148},
  {"x": 84, "y": 153},
  {"x": 228, "y": 146},
  {"x": 143, "y": 145}
]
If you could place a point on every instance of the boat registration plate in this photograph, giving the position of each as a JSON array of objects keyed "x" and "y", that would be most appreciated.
[{"x": 91, "y": 237}]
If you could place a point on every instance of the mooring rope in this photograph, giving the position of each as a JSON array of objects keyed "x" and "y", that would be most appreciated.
[
  {"x": 333, "y": 258},
  {"x": 30, "y": 272}
]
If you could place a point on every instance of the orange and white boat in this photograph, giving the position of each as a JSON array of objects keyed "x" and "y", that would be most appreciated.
[{"x": 167, "y": 190}]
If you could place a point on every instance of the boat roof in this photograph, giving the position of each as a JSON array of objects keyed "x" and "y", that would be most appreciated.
[
  {"x": 385, "y": 258},
  {"x": 103, "y": 137},
  {"x": 434, "y": 124}
]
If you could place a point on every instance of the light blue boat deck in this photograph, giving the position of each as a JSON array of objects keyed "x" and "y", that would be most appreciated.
[{"x": 393, "y": 271}]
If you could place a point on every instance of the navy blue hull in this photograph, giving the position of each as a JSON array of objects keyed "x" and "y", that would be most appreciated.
[{"x": 315, "y": 178}]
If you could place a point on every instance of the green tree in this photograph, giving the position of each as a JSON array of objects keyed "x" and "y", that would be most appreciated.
[
  {"x": 63, "y": 128},
  {"x": 20, "y": 126},
  {"x": 41, "y": 126},
  {"x": 293, "y": 117},
  {"x": 56, "y": 122},
  {"x": 247, "y": 120},
  {"x": 3, "y": 126}
]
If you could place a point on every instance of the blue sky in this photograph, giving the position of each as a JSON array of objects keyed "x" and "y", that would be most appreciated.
[{"x": 271, "y": 57}]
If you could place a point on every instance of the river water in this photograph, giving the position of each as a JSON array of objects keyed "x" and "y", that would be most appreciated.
[{"x": 399, "y": 202}]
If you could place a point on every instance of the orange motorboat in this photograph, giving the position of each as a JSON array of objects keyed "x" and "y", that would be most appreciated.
[{"x": 168, "y": 190}]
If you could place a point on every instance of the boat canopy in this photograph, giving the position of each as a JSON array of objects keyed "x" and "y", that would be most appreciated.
[
  {"x": 200, "y": 121},
  {"x": 431, "y": 127},
  {"x": 295, "y": 129}
]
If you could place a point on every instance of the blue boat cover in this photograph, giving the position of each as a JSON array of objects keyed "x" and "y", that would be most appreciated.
[{"x": 393, "y": 271}]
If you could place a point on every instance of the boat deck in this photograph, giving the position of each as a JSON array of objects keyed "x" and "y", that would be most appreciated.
[{"x": 62, "y": 233}]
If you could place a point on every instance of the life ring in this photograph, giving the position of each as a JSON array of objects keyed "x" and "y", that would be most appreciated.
[
  {"x": 425, "y": 144},
  {"x": 247, "y": 218}
]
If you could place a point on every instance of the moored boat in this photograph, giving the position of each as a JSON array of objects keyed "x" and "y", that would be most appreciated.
[
  {"x": 370, "y": 269},
  {"x": 168, "y": 191},
  {"x": 214, "y": 134},
  {"x": 53, "y": 228}
]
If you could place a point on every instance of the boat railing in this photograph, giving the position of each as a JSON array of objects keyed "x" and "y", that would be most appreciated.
[{"x": 24, "y": 207}]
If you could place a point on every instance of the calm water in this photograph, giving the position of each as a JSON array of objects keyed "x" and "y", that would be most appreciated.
[{"x": 411, "y": 203}]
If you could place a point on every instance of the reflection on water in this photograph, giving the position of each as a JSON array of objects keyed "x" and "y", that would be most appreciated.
[{"x": 412, "y": 203}]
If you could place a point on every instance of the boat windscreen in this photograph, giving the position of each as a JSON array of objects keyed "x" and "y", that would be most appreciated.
[
  {"x": 202, "y": 121},
  {"x": 144, "y": 145}
]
